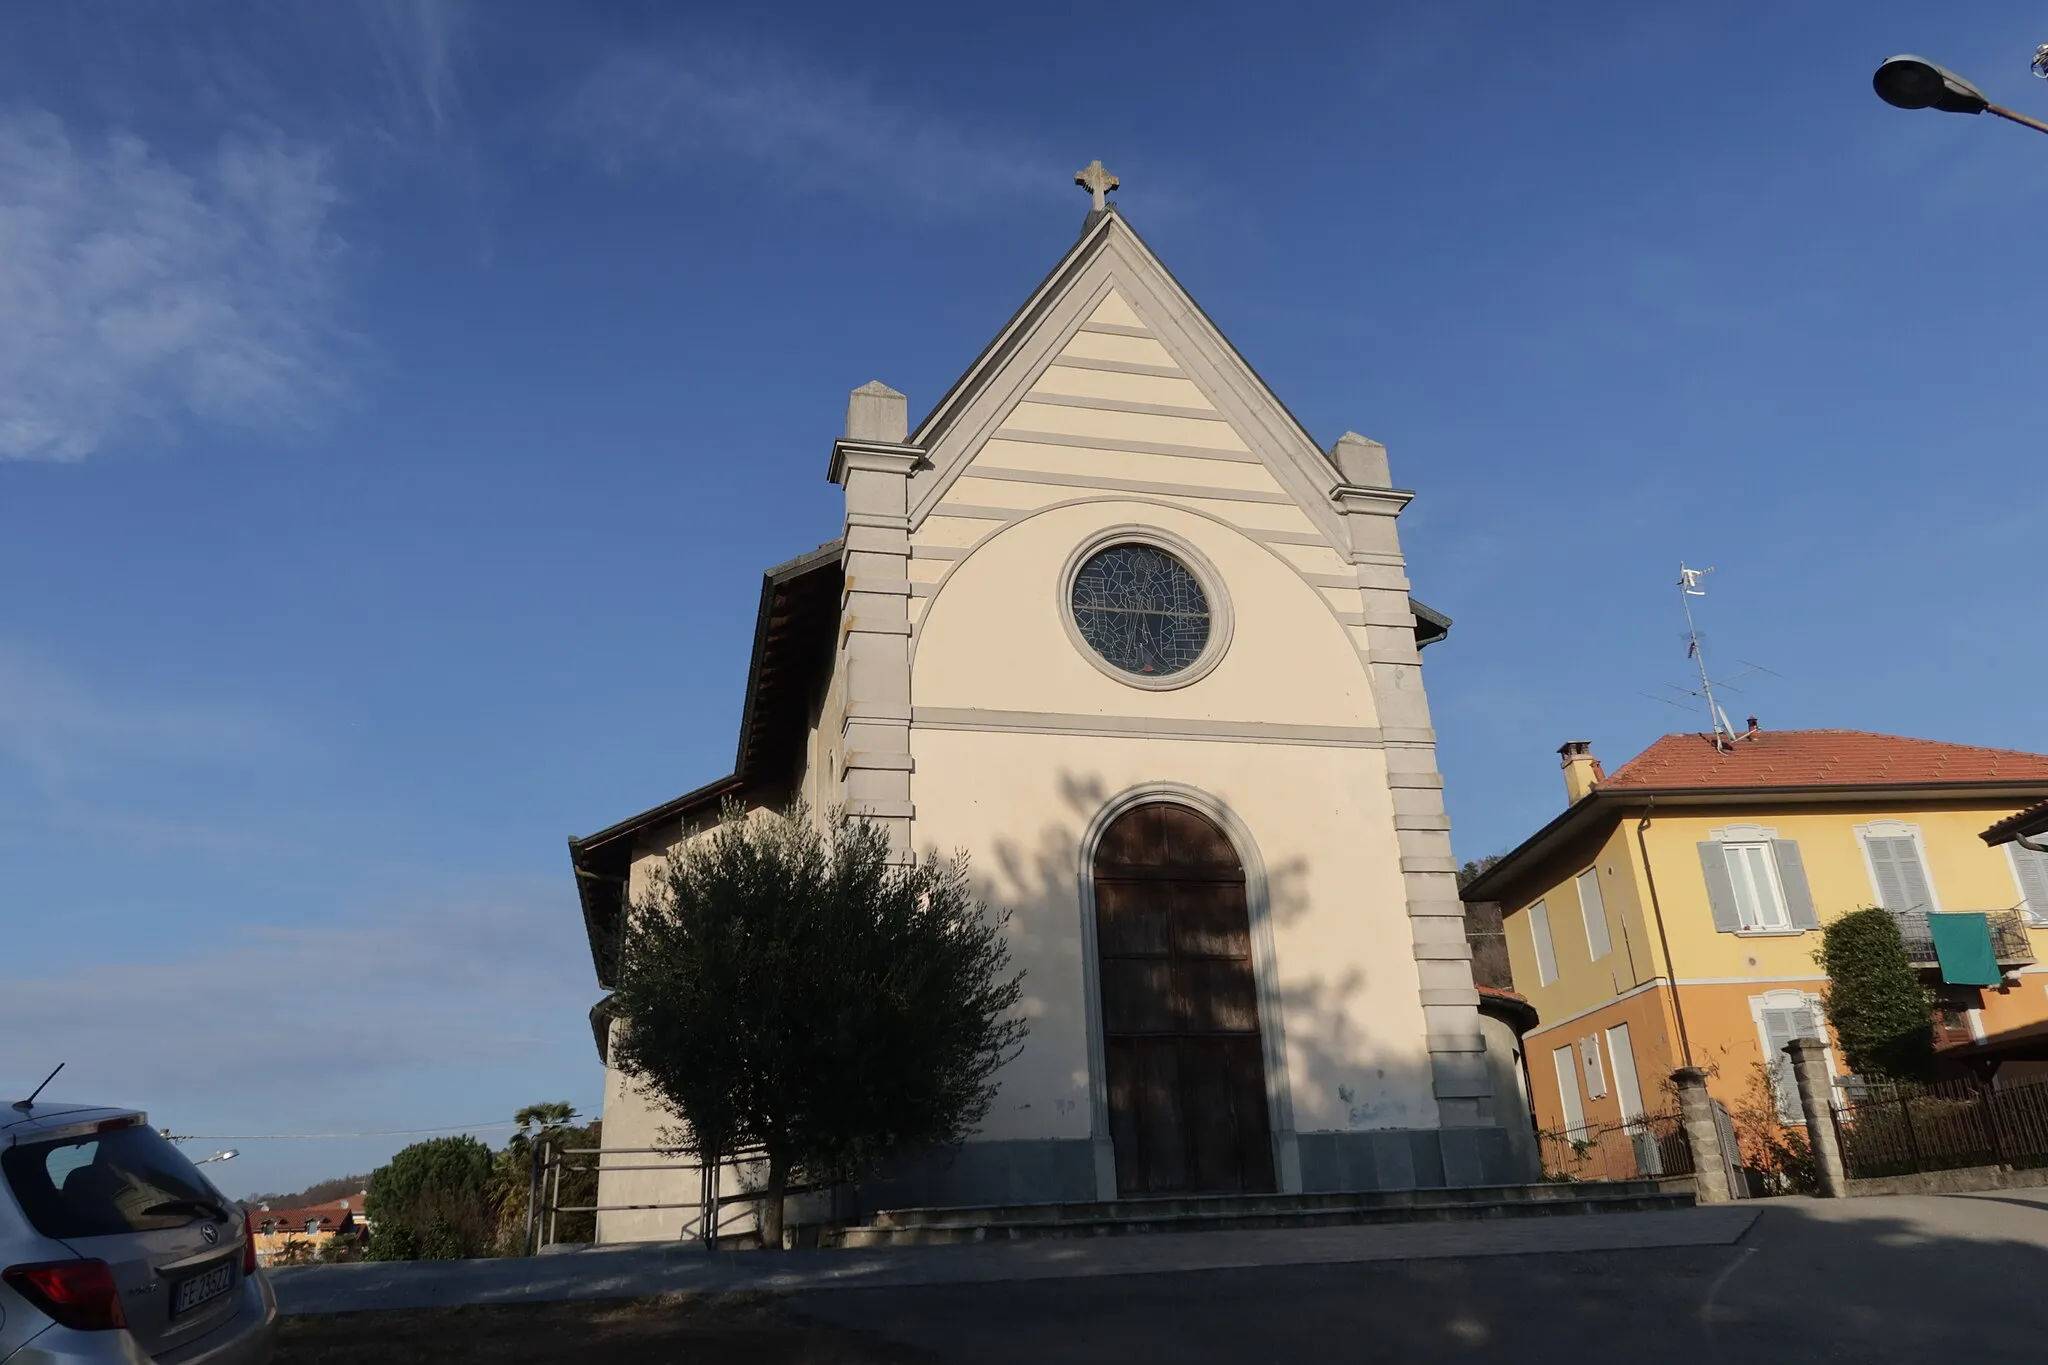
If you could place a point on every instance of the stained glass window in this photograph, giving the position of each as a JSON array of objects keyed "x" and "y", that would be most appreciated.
[{"x": 1142, "y": 610}]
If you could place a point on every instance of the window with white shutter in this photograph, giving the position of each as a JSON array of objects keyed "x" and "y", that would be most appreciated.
[
  {"x": 1546, "y": 953},
  {"x": 1596, "y": 1074},
  {"x": 2030, "y": 870},
  {"x": 1896, "y": 870},
  {"x": 1594, "y": 911},
  {"x": 1782, "y": 1016},
  {"x": 1565, "y": 1059},
  {"x": 1628, "y": 1090}
]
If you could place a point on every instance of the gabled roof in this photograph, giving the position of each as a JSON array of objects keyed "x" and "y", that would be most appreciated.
[
  {"x": 1764, "y": 766},
  {"x": 1110, "y": 255},
  {"x": 1819, "y": 758}
]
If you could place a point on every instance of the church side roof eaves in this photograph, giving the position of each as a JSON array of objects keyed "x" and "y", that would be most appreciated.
[
  {"x": 1431, "y": 625},
  {"x": 793, "y": 633}
]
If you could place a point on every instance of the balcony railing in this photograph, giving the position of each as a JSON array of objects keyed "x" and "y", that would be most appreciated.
[{"x": 2009, "y": 941}]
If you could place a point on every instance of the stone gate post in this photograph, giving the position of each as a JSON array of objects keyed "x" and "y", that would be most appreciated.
[
  {"x": 1817, "y": 1101},
  {"x": 1696, "y": 1114}
]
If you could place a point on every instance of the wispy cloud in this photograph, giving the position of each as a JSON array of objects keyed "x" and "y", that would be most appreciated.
[
  {"x": 746, "y": 118},
  {"x": 418, "y": 44},
  {"x": 138, "y": 291},
  {"x": 60, "y": 726},
  {"x": 477, "y": 977}
]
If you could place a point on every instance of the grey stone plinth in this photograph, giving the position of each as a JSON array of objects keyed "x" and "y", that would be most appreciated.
[
  {"x": 1696, "y": 1113},
  {"x": 1817, "y": 1101}
]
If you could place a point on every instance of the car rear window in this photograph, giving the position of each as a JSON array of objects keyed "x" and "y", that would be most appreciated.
[{"x": 105, "y": 1183}]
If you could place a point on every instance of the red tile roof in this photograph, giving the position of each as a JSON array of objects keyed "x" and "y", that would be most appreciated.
[
  {"x": 295, "y": 1220},
  {"x": 1819, "y": 758}
]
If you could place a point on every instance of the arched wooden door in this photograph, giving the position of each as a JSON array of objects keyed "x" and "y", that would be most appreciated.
[{"x": 1180, "y": 1008}]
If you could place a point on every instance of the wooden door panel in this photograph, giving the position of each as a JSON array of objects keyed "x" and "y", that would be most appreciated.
[
  {"x": 1220, "y": 997},
  {"x": 1131, "y": 919},
  {"x": 1208, "y": 919},
  {"x": 1181, "y": 1040},
  {"x": 1138, "y": 996}
]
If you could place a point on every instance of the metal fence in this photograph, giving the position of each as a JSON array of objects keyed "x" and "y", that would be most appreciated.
[
  {"x": 1641, "y": 1149},
  {"x": 2010, "y": 943},
  {"x": 1888, "y": 1129},
  {"x": 552, "y": 1163}
]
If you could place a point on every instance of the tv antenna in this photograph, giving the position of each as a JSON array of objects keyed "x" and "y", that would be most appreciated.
[{"x": 1689, "y": 588}]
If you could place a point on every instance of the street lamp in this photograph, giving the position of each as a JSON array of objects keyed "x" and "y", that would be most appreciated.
[
  {"x": 229, "y": 1155},
  {"x": 1908, "y": 82}
]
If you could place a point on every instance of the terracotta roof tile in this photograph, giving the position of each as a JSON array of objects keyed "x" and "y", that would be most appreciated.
[{"x": 1819, "y": 758}]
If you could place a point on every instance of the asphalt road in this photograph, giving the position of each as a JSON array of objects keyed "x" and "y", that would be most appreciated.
[{"x": 1918, "y": 1279}]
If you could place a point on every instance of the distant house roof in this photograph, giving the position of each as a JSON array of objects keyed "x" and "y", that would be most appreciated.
[
  {"x": 332, "y": 1218},
  {"x": 1819, "y": 758},
  {"x": 1510, "y": 1008},
  {"x": 2028, "y": 823},
  {"x": 1773, "y": 765}
]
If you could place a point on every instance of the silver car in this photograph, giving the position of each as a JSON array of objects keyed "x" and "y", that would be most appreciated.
[{"x": 115, "y": 1248}]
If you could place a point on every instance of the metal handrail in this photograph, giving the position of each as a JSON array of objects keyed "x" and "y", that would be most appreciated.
[{"x": 543, "y": 1208}]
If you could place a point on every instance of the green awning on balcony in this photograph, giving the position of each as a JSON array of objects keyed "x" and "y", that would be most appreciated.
[{"x": 1962, "y": 945}]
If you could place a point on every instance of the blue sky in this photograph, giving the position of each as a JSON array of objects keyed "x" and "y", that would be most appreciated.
[{"x": 399, "y": 402}]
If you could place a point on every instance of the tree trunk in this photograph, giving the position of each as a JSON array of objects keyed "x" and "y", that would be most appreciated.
[{"x": 772, "y": 1201}]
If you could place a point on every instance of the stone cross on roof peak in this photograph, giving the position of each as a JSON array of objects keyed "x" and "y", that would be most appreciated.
[{"x": 1096, "y": 181}]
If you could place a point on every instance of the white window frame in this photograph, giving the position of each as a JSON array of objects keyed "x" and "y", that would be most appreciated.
[
  {"x": 1746, "y": 915},
  {"x": 1898, "y": 829},
  {"x": 1541, "y": 941},
  {"x": 1566, "y": 1062},
  {"x": 1594, "y": 914},
  {"x": 1784, "y": 999}
]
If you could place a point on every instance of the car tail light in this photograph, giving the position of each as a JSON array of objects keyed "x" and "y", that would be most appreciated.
[
  {"x": 76, "y": 1294},
  {"x": 248, "y": 1245}
]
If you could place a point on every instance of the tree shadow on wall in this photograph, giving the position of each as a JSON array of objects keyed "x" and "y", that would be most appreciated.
[{"x": 1341, "y": 1076}]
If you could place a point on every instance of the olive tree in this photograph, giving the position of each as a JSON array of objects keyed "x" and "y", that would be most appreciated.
[{"x": 786, "y": 983}]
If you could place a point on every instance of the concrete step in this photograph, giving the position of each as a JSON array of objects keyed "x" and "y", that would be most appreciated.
[{"x": 940, "y": 1226}]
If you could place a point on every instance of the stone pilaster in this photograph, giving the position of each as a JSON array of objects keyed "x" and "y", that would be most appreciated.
[
  {"x": 1702, "y": 1134},
  {"x": 1817, "y": 1102},
  {"x": 1436, "y": 917},
  {"x": 873, "y": 464}
]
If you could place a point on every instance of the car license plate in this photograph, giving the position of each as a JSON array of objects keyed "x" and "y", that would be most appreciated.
[{"x": 203, "y": 1288}]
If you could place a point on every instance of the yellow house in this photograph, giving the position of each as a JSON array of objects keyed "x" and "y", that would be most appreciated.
[{"x": 1669, "y": 916}]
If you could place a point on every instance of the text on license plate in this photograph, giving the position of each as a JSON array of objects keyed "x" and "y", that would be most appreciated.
[{"x": 187, "y": 1295}]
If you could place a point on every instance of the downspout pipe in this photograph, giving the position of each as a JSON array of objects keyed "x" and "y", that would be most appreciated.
[{"x": 1663, "y": 939}]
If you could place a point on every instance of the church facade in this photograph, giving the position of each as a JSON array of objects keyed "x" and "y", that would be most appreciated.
[{"x": 1111, "y": 622}]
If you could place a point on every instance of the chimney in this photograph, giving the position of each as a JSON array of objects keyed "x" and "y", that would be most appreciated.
[{"x": 1582, "y": 771}]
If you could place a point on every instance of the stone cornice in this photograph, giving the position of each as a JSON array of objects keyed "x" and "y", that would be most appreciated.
[
  {"x": 1385, "y": 502},
  {"x": 886, "y": 457}
]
